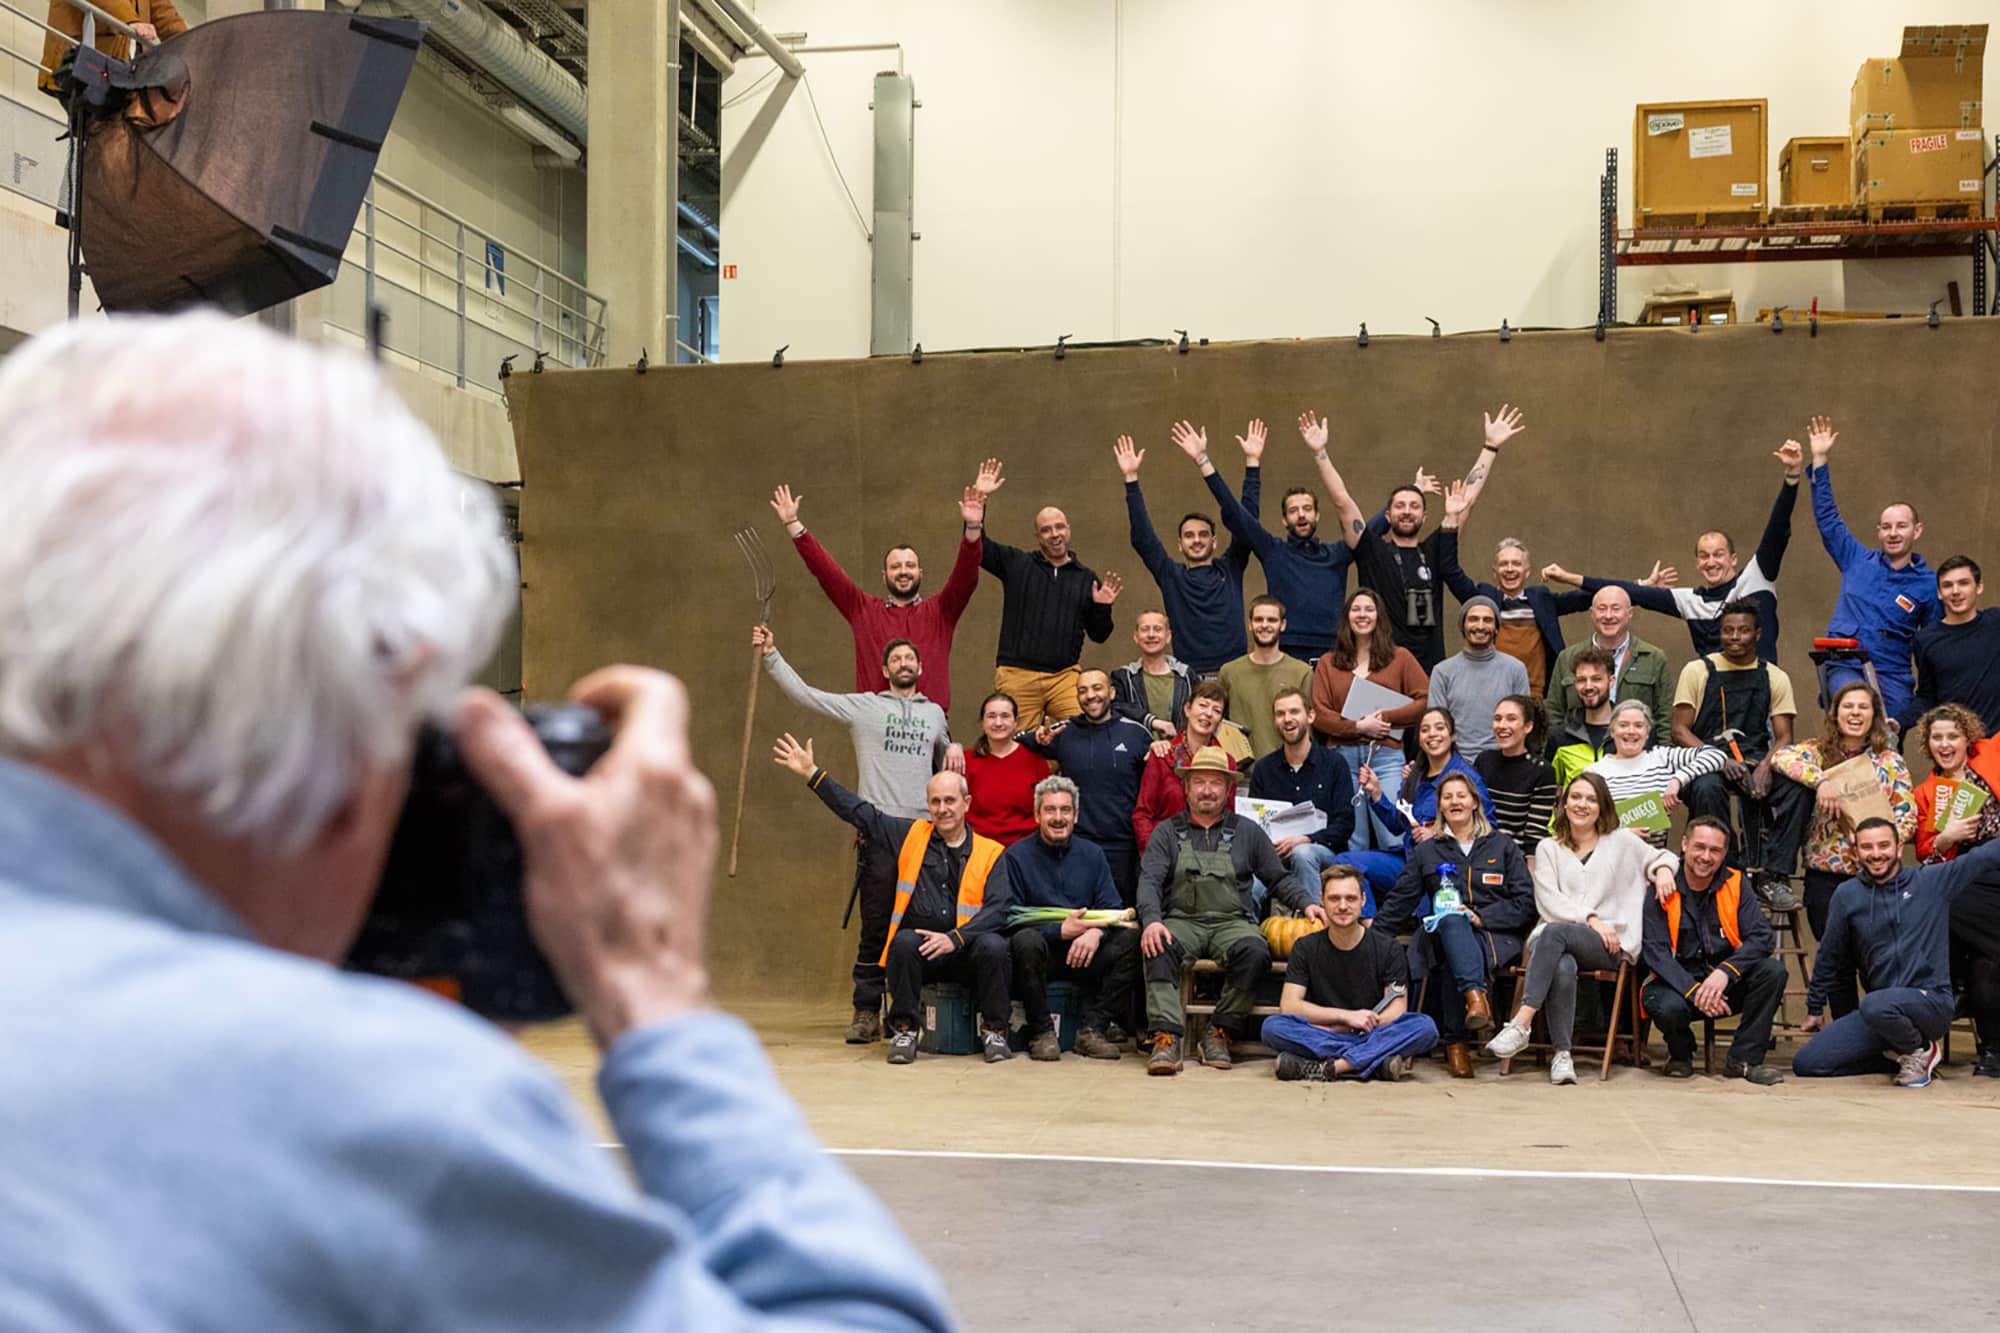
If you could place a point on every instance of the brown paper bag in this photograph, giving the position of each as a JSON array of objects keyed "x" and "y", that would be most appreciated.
[{"x": 1859, "y": 789}]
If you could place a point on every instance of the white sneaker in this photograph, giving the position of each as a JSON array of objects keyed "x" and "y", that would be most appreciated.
[
  {"x": 1508, "y": 1041},
  {"x": 1562, "y": 1069}
]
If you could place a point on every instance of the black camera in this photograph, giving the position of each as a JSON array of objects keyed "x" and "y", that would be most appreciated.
[{"x": 449, "y": 912}]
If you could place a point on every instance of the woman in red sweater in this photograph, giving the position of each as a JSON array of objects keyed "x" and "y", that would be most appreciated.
[
  {"x": 1962, "y": 755},
  {"x": 1363, "y": 650},
  {"x": 1002, "y": 774}
]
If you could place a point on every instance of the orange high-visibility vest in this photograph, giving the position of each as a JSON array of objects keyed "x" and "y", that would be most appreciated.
[
  {"x": 971, "y": 885},
  {"x": 1728, "y": 898}
]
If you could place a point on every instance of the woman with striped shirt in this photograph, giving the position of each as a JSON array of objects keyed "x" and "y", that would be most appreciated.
[
  {"x": 1522, "y": 787},
  {"x": 1633, "y": 772}
]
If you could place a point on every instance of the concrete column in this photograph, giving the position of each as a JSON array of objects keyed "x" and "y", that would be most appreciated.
[{"x": 631, "y": 184}]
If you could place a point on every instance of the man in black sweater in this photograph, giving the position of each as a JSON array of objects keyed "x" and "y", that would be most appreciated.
[
  {"x": 1707, "y": 949},
  {"x": 1958, "y": 657},
  {"x": 1052, "y": 600},
  {"x": 1892, "y": 923}
]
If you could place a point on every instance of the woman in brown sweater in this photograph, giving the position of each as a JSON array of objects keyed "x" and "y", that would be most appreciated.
[{"x": 1363, "y": 650}]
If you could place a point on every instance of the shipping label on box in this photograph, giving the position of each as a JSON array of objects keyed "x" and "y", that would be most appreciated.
[{"x": 1708, "y": 141}]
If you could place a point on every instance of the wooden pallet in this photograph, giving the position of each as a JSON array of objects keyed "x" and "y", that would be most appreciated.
[
  {"x": 1717, "y": 217},
  {"x": 1933, "y": 212},
  {"x": 1801, "y": 214}
]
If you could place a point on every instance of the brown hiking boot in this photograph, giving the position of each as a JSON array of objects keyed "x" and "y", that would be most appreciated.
[
  {"x": 1166, "y": 1054},
  {"x": 866, "y": 1027},
  {"x": 1458, "y": 1059},
  {"x": 1096, "y": 1046},
  {"x": 1045, "y": 1046},
  {"x": 1215, "y": 1050},
  {"x": 1478, "y": 1013}
]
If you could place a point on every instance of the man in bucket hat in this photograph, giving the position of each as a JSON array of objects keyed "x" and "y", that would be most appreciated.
[{"x": 1194, "y": 902}]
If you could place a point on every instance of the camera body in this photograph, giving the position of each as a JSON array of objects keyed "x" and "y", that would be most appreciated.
[{"x": 450, "y": 911}]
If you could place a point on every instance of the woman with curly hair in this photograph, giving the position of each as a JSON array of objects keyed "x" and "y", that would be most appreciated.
[{"x": 1965, "y": 774}]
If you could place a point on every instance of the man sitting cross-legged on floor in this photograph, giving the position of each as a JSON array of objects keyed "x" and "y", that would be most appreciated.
[
  {"x": 1346, "y": 1011},
  {"x": 1194, "y": 901},
  {"x": 1707, "y": 952},
  {"x": 941, "y": 871},
  {"x": 1055, "y": 868}
]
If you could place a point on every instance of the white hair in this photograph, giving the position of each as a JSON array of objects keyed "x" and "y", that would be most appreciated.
[
  {"x": 1631, "y": 705},
  {"x": 234, "y": 562},
  {"x": 1511, "y": 543}
]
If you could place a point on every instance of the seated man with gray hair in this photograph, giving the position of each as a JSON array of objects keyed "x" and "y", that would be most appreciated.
[{"x": 1055, "y": 868}]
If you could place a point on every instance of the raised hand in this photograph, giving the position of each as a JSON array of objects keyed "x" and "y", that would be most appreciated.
[
  {"x": 762, "y": 639},
  {"x": 1192, "y": 442},
  {"x": 792, "y": 755},
  {"x": 1503, "y": 426},
  {"x": 1251, "y": 441},
  {"x": 972, "y": 507},
  {"x": 1129, "y": 456},
  {"x": 1793, "y": 455},
  {"x": 1457, "y": 504},
  {"x": 1820, "y": 436},
  {"x": 1663, "y": 576},
  {"x": 1427, "y": 483},
  {"x": 786, "y": 505},
  {"x": 989, "y": 479},
  {"x": 1313, "y": 430},
  {"x": 1105, "y": 591},
  {"x": 1554, "y": 573}
]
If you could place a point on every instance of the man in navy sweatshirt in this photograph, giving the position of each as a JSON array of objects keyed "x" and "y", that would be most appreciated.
[
  {"x": 1304, "y": 770},
  {"x": 1105, "y": 755},
  {"x": 1893, "y": 923},
  {"x": 1886, "y": 596},
  {"x": 1958, "y": 657},
  {"x": 1055, "y": 868},
  {"x": 1204, "y": 596}
]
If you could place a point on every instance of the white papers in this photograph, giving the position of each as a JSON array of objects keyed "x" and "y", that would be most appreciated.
[
  {"x": 1365, "y": 697},
  {"x": 1709, "y": 141},
  {"x": 1280, "y": 820}
]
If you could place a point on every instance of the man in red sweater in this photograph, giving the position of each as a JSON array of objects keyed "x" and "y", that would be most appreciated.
[{"x": 903, "y": 612}]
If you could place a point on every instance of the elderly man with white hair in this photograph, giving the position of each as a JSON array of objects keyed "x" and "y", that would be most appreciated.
[{"x": 232, "y": 593}]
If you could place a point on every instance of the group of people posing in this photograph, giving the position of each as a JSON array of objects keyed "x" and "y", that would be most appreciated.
[{"x": 1443, "y": 817}]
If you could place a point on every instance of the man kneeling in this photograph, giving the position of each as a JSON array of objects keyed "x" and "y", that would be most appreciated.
[{"x": 1345, "y": 1012}]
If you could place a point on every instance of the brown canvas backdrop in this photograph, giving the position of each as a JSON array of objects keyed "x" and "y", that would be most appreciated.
[{"x": 633, "y": 483}]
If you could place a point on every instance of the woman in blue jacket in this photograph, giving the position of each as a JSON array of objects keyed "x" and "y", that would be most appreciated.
[{"x": 1412, "y": 815}]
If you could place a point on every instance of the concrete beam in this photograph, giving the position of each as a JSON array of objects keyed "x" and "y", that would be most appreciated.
[{"x": 632, "y": 178}]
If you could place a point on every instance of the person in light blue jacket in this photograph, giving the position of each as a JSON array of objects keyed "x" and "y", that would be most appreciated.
[{"x": 231, "y": 596}]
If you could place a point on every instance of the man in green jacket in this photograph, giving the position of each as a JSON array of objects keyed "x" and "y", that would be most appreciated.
[{"x": 1640, "y": 670}]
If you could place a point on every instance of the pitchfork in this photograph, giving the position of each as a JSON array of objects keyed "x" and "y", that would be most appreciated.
[{"x": 752, "y": 547}]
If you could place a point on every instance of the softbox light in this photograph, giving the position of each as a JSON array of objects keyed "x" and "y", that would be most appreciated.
[{"x": 242, "y": 191}]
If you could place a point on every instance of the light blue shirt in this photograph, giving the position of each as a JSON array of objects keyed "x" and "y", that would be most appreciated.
[{"x": 199, "y": 1132}]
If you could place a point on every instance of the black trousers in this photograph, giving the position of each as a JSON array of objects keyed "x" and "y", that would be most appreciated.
[
  {"x": 1785, "y": 815},
  {"x": 875, "y": 898},
  {"x": 1844, "y": 995},
  {"x": 1124, "y": 859},
  {"x": 1106, "y": 983},
  {"x": 1754, "y": 997},
  {"x": 980, "y": 964}
]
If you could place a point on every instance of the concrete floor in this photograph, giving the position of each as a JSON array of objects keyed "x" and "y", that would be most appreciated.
[{"x": 1752, "y": 1226}]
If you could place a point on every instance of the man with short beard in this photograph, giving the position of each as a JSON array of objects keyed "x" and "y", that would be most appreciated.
[
  {"x": 900, "y": 739},
  {"x": 1052, "y": 601},
  {"x": 1194, "y": 902},
  {"x": 1584, "y": 736},
  {"x": 1155, "y": 688},
  {"x": 1892, "y": 923},
  {"x": 1639, "y": 669},
  {"x": 1403, "y": 567},
  {"x": 1958, "y": 657},
  {"x": 1104, "y": 754},
  {"x": 1204, "y": 595},
  {"x": 903, "y": 612},
  {"x": 1304, "y": 770},
  {"x": 1472, "y": 682},
  {"x": 1254, "y": 681}
]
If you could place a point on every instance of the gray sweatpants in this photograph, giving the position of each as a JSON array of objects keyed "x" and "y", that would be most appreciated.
[{"x": 1553, "y": 959}]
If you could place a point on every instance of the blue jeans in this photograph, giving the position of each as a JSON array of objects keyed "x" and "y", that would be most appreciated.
[
  {"x": 1305, "y": 863},
  {"x": 1412, "y": 1034},
  {"x": 1368, "y": 830},
  {"x": 1901, "y": 1018},
  {"x": 1469, "y": 957}
]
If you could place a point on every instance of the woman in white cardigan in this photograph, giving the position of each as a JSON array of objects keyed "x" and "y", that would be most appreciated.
[{"x": 1590, "y": 889}]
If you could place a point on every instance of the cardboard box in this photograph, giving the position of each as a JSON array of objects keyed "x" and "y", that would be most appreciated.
[
  {"x": 1920, "y": 167},
  {"x": 1698, "y": 158},
  {"x": 1816, "y": 171},
  {"x": 1933, "y": 84}
]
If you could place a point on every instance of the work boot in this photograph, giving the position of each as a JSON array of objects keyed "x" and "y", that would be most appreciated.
[
  {"x": 1215, "y": 1050},
  {"x": 1478, "y": 1013},
  {"x": 1914, "y": 1070},
  {"x": 1395, "y": 1069},
  {"x": 866, "y": 1027},
  {"x": 1298, "y": 1069},
  {"x": 1989, "y": 1063},
  {"x": 1096, "y": 1045},
  {"x": 1115, "y": 1034},
  {"x": 1166, "y": 1054},
  {"x": 1760, "y": 1074},
  {"x": 1677, "y": 1067},
  {"x": 903, "y": 1046},
  {"x": 1045, "y": 1046},
  {"x": 1458, "y": 1059},
  {"x": 995, "y": 1046},
  {"x": 1777, "y": 895}
]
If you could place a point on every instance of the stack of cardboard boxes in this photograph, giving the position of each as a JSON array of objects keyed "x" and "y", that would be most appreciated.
[{"x": 1919, "y": 145}]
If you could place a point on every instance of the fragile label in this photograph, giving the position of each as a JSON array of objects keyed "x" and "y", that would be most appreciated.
[
  {"x": 1743, "y": 189},
  {"x": 1665, "y": 124},
  {"x": 1709, "y": 141},
  {"x": 1929, "y": 143}
]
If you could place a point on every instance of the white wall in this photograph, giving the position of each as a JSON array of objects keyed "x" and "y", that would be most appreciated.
[{"x": 1120, "y": 168}]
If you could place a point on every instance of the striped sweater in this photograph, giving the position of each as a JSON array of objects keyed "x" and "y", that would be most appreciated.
[
  {"x": 1523, "y": 789},
  {"x": 1648, "y": 773}
]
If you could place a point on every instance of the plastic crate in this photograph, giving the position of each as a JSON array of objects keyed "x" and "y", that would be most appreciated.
[
  {"x": 1064, "y": 1006},
  {"x": 948, "y": 1021}
]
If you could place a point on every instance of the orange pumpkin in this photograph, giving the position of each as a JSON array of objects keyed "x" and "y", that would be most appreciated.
[{"x": 1282, "y": 932}]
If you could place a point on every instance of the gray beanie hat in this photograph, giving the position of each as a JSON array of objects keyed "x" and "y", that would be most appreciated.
[{"x": 1481, "y": 600}]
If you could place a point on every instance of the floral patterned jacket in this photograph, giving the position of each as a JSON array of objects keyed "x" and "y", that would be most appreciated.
[{"x": 1829, "y": 843}]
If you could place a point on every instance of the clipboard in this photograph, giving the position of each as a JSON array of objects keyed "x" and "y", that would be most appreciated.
[{"x": 1365, "y": 697}]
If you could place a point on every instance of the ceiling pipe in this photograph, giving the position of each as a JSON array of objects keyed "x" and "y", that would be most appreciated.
[
  {"x": 758, "y": 33},
  {"x": 482, "y": 37}
]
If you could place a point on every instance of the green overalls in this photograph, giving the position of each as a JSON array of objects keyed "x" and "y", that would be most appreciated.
[{"x": 1205, "y": 915}]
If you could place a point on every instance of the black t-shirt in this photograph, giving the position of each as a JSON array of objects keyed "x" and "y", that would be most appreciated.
[
  {"x": 1347, "y": 979},
  {"x": 1597, "y": 731},
  {"x": 1412, "y": 597}
]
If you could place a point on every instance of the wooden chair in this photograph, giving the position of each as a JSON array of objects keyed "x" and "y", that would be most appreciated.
[
  {"x": 1206, "y": 1008},
  {"x": 1624, "y": 1007}
]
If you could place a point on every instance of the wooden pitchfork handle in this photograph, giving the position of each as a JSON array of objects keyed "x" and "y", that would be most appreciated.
[{"x": 743, "y": 764}]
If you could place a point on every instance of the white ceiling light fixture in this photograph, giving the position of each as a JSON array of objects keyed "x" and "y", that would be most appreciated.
[{"x": 538, "y": 131}]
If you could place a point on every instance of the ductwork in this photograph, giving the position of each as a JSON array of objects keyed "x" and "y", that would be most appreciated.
[{"x": 486, "y": 40}]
